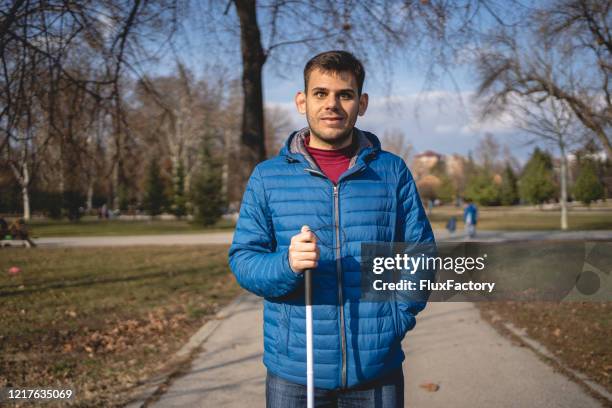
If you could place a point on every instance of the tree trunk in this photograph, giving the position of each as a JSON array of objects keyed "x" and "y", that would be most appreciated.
[
  {"x": 25, "y": 193},
  {"x": 24, "y": 180},
  {"x": 89, "y": 203},
  {"x": 252, "y": 147},
  {"x": 115, "y": 188},
  {"x": 563, "y": 188},
  {"x": 225, "y": 167},
  {"x": 26, "y": 202},
  {"x": 22, "y": 175}
]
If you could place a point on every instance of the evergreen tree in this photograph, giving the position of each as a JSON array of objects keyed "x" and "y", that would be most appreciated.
[
  {"x": 588, "y": 188},
  {"x": 537, "y": 181},
  {"x": 154, "y": 196},
  {"x": 509, "y": 189},
  {"x": 446, "y": 191},
  {"x": 603, "y": 168},
  {"x": 179, "y": 205},
  {"x": 482, "y": 189},
  {"x": 206, "y": 192}
]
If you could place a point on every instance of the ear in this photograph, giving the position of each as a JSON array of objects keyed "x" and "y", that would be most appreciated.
[
  {"x": 300, "y": 102},
  {"x": 363, "y": 104}
]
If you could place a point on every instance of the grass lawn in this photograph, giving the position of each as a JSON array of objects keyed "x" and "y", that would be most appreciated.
[
  {"x": 101, "y": 320},
  {"x": 523, "y": 218},
  {"x": 578, "y": 333},
  {"x": 515, "y": 218},
  {"x": 91, "y": 226}
]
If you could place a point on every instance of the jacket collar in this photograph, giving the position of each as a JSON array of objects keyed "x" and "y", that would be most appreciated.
[{"x": 295, "y": 150}]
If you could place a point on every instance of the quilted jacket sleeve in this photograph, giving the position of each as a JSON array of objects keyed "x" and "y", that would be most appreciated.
[
  {"x": 413, "y": 226},
  {"x": 253, "y": 256}
]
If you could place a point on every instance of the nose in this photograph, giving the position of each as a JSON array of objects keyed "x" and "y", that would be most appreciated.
[{"x": 331, "y": 103}]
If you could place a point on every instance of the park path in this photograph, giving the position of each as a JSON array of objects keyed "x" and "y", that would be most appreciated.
[
  {"x": 226, "y": 238},
  {"x": 450, "y": 346},
  {"x": 135, "y": 240}
]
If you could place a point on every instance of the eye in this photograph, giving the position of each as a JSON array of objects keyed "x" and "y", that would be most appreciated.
[
  {"x": 346, "y": 96},
  {"x": 320, "y": 94}
]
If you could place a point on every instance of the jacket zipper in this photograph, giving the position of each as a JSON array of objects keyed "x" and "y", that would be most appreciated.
[{"x": 339, "y": 269}]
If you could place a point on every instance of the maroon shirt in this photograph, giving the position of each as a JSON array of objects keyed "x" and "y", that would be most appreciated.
[{"x": 331, "y": 162}]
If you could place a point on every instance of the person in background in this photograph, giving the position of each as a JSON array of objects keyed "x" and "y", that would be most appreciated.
[
  {"x": 470, "y": 217},
  {"x": 19, "y": 231},
  {"x": 451, "y": 225}
]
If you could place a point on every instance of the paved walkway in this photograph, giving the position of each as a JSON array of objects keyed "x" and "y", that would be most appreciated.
[
  {"x": 450, "y": 346},
  {"x": 166, "y": 239},
  {"x": 226, "y": 238}
]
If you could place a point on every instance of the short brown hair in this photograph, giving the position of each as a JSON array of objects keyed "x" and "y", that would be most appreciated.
[{"x": 335, "y": 61}]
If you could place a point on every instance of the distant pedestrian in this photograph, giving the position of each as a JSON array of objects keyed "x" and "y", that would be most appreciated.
[
  {"x": 104, "y": 211},
  {"x": 451, "y": 225},
  {"x": 470, "y": 217}
]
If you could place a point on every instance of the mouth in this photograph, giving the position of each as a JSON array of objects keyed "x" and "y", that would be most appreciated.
[{"x": 332, "y": 120}]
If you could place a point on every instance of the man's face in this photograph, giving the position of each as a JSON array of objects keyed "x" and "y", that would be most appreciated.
[{"x": 331, "y": 104}]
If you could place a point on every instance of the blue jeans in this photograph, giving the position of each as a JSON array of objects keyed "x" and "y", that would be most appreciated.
[{"x": 386, "y": 392}]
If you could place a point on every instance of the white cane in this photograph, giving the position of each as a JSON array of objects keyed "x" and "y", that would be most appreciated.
[{"x": 309, "y": 348}]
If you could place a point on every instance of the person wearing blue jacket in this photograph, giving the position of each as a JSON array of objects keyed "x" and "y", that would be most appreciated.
[
  {"x": 330, "y": 189},
  {"x": 470, "y": 218}
]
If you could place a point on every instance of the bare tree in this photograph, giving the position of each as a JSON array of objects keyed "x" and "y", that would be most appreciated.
[
  {"x": 431, "y": 31},
  {"x": 487, "y": 152},
  {"x": 278, "y": 126},
  {"x": 563, "y": 51},
  {"x": 176, "y": 114},
  {"x": 42, "y": 45},
  {"x": 396, "y": 142},
  {"x": 553, "y": 122}
]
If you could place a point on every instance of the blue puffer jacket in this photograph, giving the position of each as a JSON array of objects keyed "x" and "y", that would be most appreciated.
[{"x": 375, "y": 200}]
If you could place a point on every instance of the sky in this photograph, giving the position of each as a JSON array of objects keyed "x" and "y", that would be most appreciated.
[{"x": 442, "y": 119}]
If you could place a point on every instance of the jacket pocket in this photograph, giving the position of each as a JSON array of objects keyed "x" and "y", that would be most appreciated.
[
  {"x": 283, "y": 329},
  {"x": 405, "y": 321},
  {"x": 397, "y": 323}
]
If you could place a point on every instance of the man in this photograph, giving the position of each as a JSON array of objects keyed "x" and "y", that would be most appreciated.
[{"x": 330, "y": 188}]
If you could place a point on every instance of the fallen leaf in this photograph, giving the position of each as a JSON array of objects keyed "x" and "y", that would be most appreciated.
[{"x": 431, "y": 387}]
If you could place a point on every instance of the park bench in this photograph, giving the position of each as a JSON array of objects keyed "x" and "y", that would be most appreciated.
[
  {"x": 16, "y": 234},
  {"x": 16, "y": 242}
]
